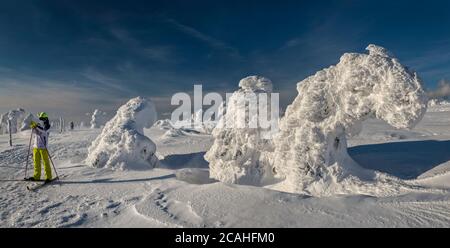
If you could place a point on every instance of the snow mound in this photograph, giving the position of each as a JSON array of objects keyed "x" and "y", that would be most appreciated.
[
  {"x": 311, "y": 149},
  {"x": 173, "y": 133},
  {"x": 235, "y": 156},
  {"x": 197, "y": 123},
  {"x": 122, "y": 143},
  {"x": 163, "y": 124},
  {"x": 194, "y": 176}
]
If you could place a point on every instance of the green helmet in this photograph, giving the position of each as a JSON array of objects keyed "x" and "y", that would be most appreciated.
[{"x": 42, "y": 115}]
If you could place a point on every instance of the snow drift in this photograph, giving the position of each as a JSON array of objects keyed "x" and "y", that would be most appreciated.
[
  {"x": 122, "y": 143},
  {"x": 311, "y": 148},
  {"x": 235, "y": 156}
]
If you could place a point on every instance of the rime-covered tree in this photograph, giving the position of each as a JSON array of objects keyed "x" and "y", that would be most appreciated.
[
  {"x": 235, "y": 156},
  {"x": 122, "y": 143},
  {"x": 311, "y": 148}
]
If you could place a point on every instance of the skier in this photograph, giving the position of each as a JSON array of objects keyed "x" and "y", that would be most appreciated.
[
  {"x": 71, "y": 125},
  {"x": 40, "y": 148}
]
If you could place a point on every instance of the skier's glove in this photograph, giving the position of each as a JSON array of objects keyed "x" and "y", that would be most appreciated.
[{"x": 33, "y": 125}]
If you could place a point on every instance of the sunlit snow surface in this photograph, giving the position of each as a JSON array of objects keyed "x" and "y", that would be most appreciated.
[{"x": 180, "y": 193}]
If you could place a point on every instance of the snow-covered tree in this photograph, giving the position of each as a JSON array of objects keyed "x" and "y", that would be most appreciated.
[
  {"x": 15, "y": 116},
  {"x": 122, "y": 143},
  {"x": 311, "y": 148},
  {"x": 235, "y": 156},
  {"x": 98, "y": 119}
]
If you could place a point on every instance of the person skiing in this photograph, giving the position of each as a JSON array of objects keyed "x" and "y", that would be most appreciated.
[
  {"x": 72, "y": 125},
  {"x": 40, "y": 148}
]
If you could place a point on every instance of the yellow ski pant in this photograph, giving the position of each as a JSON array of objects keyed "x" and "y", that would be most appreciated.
[{"x": 38, "y": 154}]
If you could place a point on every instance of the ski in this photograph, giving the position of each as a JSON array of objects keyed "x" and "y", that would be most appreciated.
[
  {"x": 21, "y": 180},
  {"x": 38, "y": 185},
  {"x": 15, "y": 180}
]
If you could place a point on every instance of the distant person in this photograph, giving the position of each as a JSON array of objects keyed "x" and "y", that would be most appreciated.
[
  {"x": 40, "y": 132},
  {"x": 71, "y": 126}
]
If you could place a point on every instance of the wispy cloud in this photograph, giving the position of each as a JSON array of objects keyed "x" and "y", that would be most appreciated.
[
  {"x": 54, "y": 97},
  {"x": 104, "y": 80},
  {"x": 62, "y": 97},
  {"x": 159, "y": 53},
  {"x": 70, "y": 98},
  {"x": 124, "y": 37},
  {"x": 209, "y": 40},
  {"x": 432, "y": 62},
  {"x": 5, "y": 69},
  {"x": 292, "y": 43},
  {"x": 154, "y": 52}
]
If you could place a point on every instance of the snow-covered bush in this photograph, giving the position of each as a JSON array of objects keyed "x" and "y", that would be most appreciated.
[
  {"x": 98, "y": 119},
  {"x": 122, "y": 143},
  {"x": 15, "y": 116},
  {"x": 311, "y": 148},
  {"x": 173, "y": 133},
  {"x": 235, "y": 156}
]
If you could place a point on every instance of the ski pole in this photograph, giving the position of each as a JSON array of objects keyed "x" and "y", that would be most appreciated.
[
  {"x": 28, "y": 154},
  {"x": 53, "y": 164}
]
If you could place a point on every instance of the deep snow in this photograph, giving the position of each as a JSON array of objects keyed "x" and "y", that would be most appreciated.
[{"x": 180, "y": 193}]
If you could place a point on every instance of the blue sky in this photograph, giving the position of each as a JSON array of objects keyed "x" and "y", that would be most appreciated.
[{"x": 69, "y": 57}]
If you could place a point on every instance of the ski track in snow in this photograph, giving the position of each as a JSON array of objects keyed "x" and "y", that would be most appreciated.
[{"x": 183, "y": 196}]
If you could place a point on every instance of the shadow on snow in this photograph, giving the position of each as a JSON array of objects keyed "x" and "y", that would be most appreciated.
[
  {"x": 406, "y": 160},
  {"x": 113, "y": 180}
]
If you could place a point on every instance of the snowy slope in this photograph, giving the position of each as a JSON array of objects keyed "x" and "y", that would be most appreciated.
[{"x": 180, "y": 193}]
